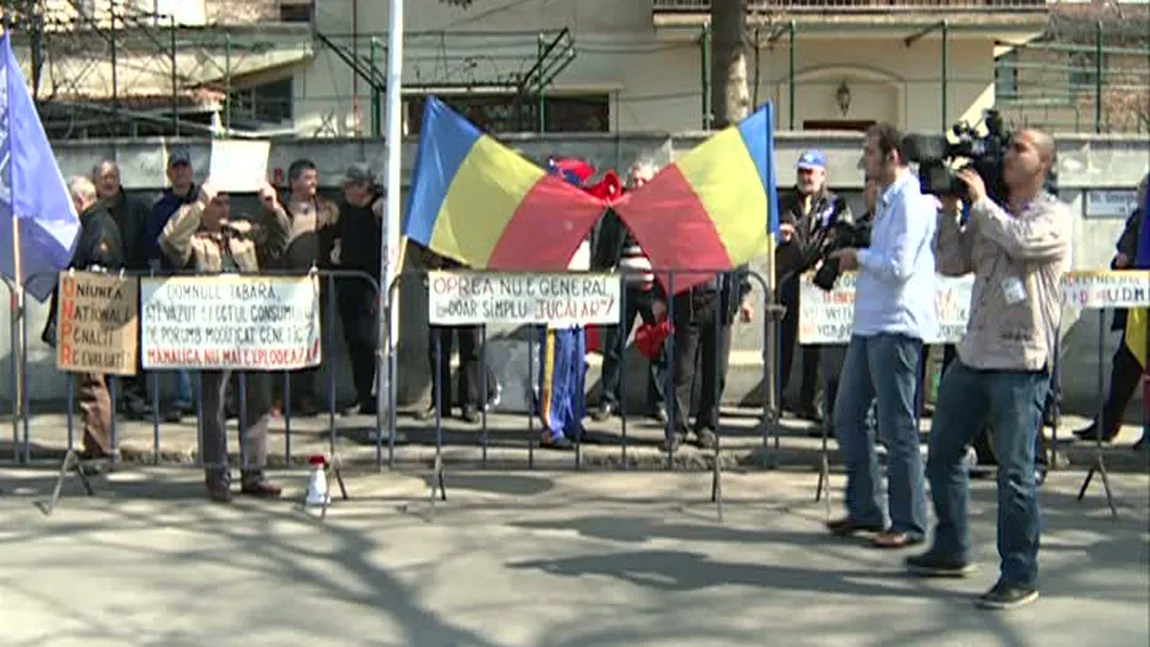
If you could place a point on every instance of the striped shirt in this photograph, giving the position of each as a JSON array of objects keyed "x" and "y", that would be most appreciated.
[{"x": 637, "y": 267}]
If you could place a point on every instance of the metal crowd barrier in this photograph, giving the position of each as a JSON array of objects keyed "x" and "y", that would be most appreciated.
[
  {"x": 22, "y": 411},
  {"x": 767, "y": 315}
]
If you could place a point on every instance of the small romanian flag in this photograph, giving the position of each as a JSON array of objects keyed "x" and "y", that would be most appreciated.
[
  {"x": 712, "y": 209},
  {"x": 478, "y": 202}
]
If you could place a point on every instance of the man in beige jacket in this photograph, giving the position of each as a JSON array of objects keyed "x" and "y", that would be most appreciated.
[
  {"x": 200, "y": 236},
  {"x": 1018, "y": 253}
]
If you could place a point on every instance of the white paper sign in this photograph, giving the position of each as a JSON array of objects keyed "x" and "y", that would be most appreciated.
[
  {"x": 826, "y": 317},
  {"x": 560, "y": 299},
  {"x": 230, "y": 322},
  {"x": 239, "y": 166},
  {"x": 1106, "y": 289}
]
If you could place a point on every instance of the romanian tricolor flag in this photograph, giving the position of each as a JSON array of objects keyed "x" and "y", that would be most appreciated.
[
  {"x": 1138, "y": 319},
  {"x": 712, "y": 209},
  {"x": 476, "y": 201}
]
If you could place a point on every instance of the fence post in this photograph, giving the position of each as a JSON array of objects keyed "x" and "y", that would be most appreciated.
[
  {"x": 705, "y": 73},
  {"x": 791, "y": 29},
  {"x": 1098, "y": 77},
  {"x": 945, "y": 68}
]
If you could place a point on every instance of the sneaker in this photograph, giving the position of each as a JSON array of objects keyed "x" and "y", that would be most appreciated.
[
  {"x": 932, "y": 564},
  {"x": 1007, "y": 596}
]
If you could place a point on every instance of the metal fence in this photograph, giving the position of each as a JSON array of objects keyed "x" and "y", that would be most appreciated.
[{"x": 386, "y": 431}]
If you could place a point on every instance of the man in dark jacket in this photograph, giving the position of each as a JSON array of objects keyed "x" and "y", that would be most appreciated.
[
  {"x": 131, "y": 217},
  {"x": 470, "y": 340},
  {"x": 357, "y": 236},
  {"x": 98, "y": 247},
  {"x": 182, "y": 191},
  {"x": 1126, "y": 373},
  {"x": 807, "y": 216},
  {"x": 616, "y": 249},
  {"x": 702, "y": 317}
]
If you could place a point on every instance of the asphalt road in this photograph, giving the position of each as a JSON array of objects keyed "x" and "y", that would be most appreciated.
[{"x": 536, "y": 559}]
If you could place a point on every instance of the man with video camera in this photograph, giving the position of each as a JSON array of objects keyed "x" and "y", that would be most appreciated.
[
  {"x": 894, "y": 312},
  {"x": 1018, "y": 253}
]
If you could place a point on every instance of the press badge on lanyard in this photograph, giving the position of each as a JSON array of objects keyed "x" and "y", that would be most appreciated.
[{"x": 1013, "y": 290}]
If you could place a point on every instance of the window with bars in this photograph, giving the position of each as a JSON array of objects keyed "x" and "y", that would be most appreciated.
[{"x": 267, "y": 102}]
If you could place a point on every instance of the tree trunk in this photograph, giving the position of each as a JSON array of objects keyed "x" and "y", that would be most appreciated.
[{"x": 730, "y": 95}]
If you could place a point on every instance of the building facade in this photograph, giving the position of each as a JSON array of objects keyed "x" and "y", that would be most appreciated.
[{"x": 316, "y": 68}]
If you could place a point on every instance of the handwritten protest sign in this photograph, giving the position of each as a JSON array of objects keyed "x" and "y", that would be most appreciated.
[
  {"x": 561, "y": 299},
  {"x": 230, "y": 322},
  {"x": 826, "y": 317},
  {"x": 1106, "y": 289},
  {"x": 97, "y": 323}
]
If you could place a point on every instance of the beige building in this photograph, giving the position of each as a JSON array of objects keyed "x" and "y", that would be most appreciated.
[{"x": 317, "y": 68}]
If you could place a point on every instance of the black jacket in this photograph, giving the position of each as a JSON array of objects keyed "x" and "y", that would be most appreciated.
[
  {"x": 131, "y": 216},
  {"x": 811, "y": 227},
  {"x": 98, "y": 245},
  {"x": 1128, "y": 245},
  {"x": 359, "y": 232}
]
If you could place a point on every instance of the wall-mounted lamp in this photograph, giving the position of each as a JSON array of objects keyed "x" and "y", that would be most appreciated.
[{"x": 843, "y": 97}]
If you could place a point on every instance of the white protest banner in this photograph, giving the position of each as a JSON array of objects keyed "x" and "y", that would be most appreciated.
[
  {"x": 559, "y": 299},
  {"x": 239, "y": 166},
  {"x": 230, "y": 321},
  {"x": 1126, "y": 289},
  {"x": 826, "y": 317}
]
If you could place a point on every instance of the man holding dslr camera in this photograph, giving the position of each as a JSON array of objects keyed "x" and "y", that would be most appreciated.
[
  {"x": 1018, "y": 253},
  {"x": 894, "y": 313}
]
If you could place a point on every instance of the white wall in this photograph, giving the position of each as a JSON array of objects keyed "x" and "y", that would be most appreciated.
[{"x": 655, "y": 82}]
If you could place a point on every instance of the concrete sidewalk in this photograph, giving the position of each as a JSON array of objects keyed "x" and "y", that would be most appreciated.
[
  {"x": 540, "y": 560},
  {"x": 512, "y": 442}
]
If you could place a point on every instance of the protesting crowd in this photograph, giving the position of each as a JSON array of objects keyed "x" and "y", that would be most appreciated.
[{"x": 994, "y": 393}]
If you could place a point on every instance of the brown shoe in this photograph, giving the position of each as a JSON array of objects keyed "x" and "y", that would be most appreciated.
[
  {"x": 846, "y": 526},
  {"x": 894, "y": 540},
  {"x": 262, "y": 489}
]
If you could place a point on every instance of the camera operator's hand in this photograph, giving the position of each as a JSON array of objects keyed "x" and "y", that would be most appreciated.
[
  {"x": 848, "y": 259},
  {"x": 786, "y": 232},
  {"x": 951, "y": 204},
  {"x": 974, "y": 182}
]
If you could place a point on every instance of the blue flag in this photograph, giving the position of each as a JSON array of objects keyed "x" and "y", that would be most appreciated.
[
  {"x": 32, "y": 190},
  {"x": 1142, "y": 257}
]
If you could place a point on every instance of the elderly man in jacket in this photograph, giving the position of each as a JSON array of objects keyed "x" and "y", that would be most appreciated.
[
  {"x": 98, "y": 247},
  {"x": 201, "y": 237}
]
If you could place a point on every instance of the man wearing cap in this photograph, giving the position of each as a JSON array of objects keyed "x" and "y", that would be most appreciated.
[
  {"x": 355, "y": 247},
  {"x": 181, "y": 192},
  {"x": 806, "y": 216}
]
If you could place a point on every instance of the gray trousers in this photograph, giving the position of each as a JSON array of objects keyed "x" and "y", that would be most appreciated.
[{"x": 253, "y": 430}]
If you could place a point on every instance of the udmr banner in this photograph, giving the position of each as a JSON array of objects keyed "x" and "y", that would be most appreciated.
[
  {"x": 558, "y": 299},
  {"x": 230, "y": 322}
]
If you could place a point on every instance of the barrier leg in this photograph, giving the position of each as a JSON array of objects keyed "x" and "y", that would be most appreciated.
[
  {"x": 823, "y": 489},
  {"x": 437, "y": 480},
  {"x": 1099, "y": 466},
  {"x": 71, "y": 463},
  {"x": 720, "y": 348}
]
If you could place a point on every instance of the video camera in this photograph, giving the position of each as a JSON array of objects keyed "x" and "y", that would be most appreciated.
[
  {"x": 840, "y": 235},
  {"x": 936, "y": 157}
]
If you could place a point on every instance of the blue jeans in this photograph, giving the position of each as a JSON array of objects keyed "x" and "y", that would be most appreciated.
[
  {"x": 882, "y": 367},
  {"x": 1012, "y": 401},
  {"x": 183, "y": 396}
]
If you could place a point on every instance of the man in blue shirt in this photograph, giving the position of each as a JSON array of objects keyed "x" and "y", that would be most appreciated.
[
  {"x": 894, "y": 313},
  {"x": 182, "y": 191}
]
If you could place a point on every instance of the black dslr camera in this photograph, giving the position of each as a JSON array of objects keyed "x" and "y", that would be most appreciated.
[
  {"x": 936, "y": 157},
  {"x": 840, "y": 235}
]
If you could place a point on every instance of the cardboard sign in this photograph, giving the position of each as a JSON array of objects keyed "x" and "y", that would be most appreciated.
[
  {"x": 97, "y": 323},
  {"x": 239, "y": 166},
  {"x": 230, "y": 321},
  {"x": 560, "y": 299}
]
